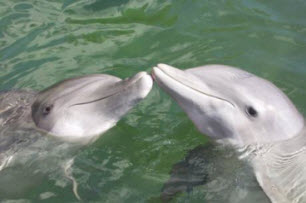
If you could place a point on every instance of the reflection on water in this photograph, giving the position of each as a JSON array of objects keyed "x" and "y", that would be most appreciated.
[{"x": 42, "y": 42}]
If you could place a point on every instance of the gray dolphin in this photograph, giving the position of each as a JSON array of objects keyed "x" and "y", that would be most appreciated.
[
  {"x": 41, "y": 132},
  {"x": 250, "y": 114}
]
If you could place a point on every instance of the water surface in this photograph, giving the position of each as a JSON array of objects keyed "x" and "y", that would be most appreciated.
[{"x": 43, "y": 42}]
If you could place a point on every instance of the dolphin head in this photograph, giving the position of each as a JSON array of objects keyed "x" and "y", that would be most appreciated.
[
  {"x": 81, "y": 108},
  {"x": 231, "y": 105}
]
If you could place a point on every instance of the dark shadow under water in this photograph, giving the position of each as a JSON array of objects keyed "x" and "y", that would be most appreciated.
[{"x": 213, "y": 173}]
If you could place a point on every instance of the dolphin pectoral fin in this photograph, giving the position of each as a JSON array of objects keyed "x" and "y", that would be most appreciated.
[{"x": 68, "y": 174}]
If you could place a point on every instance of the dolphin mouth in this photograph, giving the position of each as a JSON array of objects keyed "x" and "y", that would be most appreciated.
[
  {"x": 123, "y": 85},
  {"x": 170, "y": 72}
]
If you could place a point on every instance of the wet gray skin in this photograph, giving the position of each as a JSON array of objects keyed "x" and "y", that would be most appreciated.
[
  {"x": 40, "y": 132},
  {"x": 238, "y": 109}
]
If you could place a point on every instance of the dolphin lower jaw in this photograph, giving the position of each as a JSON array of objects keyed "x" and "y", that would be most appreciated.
[{"x": 82, "y": 138}]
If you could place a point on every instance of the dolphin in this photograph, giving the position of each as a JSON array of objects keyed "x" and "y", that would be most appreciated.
[
  {"x": 250, "y": 114},
  {"x": 42, "y": 131}
]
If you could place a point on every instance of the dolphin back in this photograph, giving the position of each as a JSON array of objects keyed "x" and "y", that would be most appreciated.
[{"x": 15, "y": 106}]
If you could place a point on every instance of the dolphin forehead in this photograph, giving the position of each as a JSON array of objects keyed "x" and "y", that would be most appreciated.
[
  {"x": 241, "y": 86},
  {"x": 220, "y": 71}
]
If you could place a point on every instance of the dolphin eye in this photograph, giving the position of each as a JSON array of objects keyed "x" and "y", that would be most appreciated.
[
  {"x": 47, "y": 109},
  {"x": 251, "y": 111}
]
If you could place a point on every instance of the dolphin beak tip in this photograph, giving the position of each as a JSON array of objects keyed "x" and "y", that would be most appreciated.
[
  {"x": 158, "y": 67},
  {"x": 141, "y": 74},
  {"x": 163, "y": 66}
]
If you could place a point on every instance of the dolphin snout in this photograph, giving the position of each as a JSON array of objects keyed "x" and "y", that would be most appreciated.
[
  {"x": 143, "y": 81},
  {"x": 166, "y": 69},
  {"x": 139, "y": 76}
]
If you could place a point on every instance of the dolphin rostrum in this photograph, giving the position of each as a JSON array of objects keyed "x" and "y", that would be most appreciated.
[{"x": 250, "y": 114}]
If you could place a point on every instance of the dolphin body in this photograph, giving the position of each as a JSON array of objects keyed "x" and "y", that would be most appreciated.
[
  {"x": 251, "y": 115},
  {"x": 41, "y": 132}
]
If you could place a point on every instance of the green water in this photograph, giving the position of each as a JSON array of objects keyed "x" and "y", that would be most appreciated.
[{"x": 42, "y": 42}]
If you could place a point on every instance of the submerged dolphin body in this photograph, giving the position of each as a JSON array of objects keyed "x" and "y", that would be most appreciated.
[
  {"x": 213, "y": 173},
  {"x": 249, "y": 113},
  {"x": 39, "y": 132}
]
